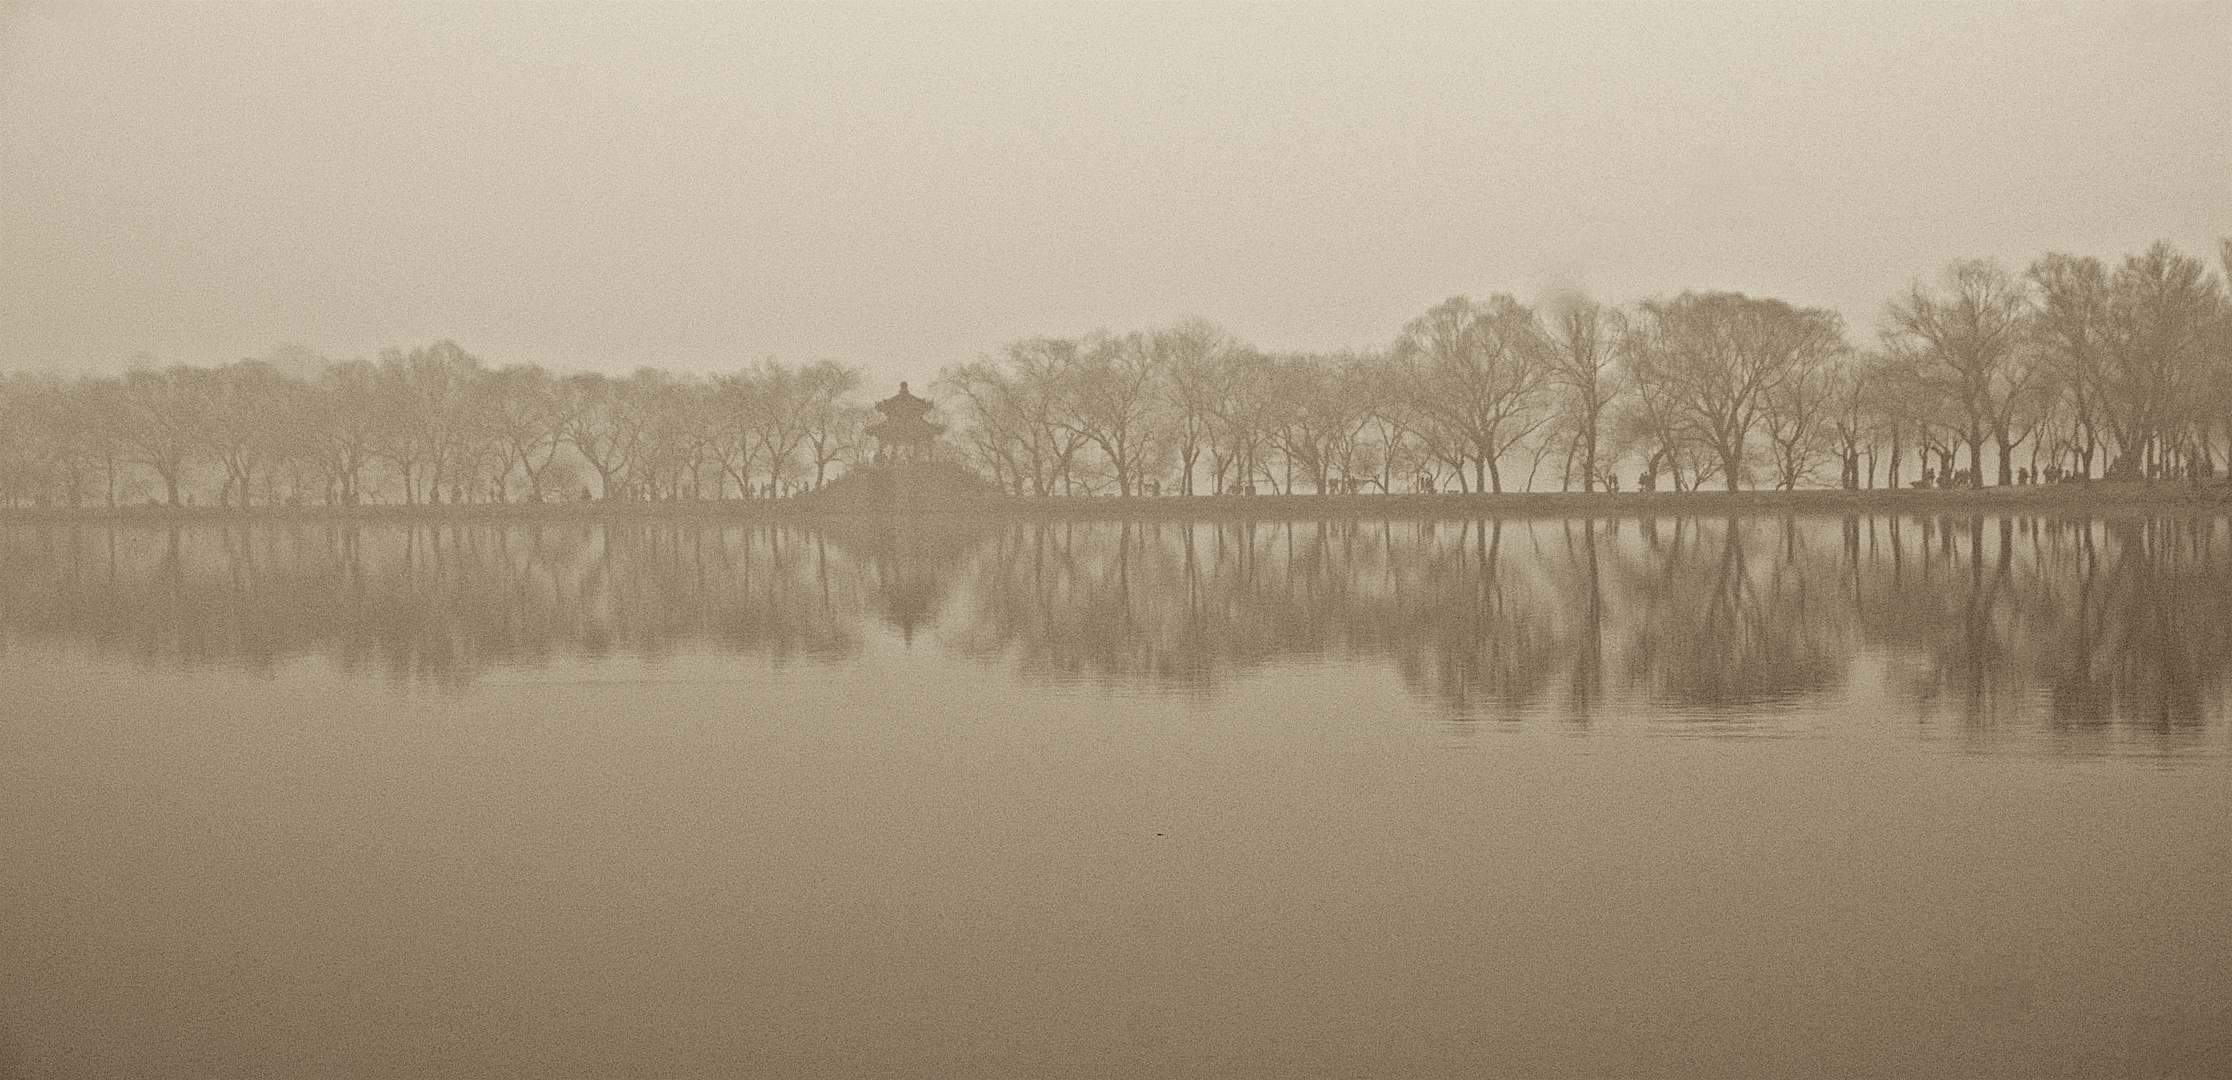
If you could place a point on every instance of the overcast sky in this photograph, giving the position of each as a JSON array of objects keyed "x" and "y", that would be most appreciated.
[{"x": 907, "y": 187}]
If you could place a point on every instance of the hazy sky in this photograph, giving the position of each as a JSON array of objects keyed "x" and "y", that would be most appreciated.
[{"x": 907, "y": 187}]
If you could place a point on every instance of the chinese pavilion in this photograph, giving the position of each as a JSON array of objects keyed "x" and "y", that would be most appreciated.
[{"x": 904, "y": 434}]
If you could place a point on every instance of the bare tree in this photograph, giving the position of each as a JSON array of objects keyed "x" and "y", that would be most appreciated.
[
  {"x": 2220, "y": 363},
  {"x": 525, "y": 413},
  {"x": 1240, "y": 412},
  {"x": 1313, "y": 417},
  {"x": 1648, "y": 423},
  {"x": 1708, "y": 359},
  {"x": 1192, "y": 358},
  {"x": 1113, "y": 399},
  {"x": 238, "y": 404},
  {"x": 733, "y": 400},
  {"x": 830, "y": 419},
  {"x": 1583, "y": 339},
  {"x": 2162, "y": 307},
  {"x": 35, "y": 441},
  {"x": 1371, "y": 383},
  {"x": 1798, "y": 415},
  {"x": 97, "y": 408},
  {"x": 667, "y": 440},
  {"x": 344, "y": 403},
  {"x": 1476, "y": 373},
  {"x": 779, "y": 423},
  {"x": 164, "y": 425},
  {"x": 1968, "y": 337},
  {"x": 1849, "y": 424},
  {"x": 424, "y": 399},
  {"x": 2070, "y": 329},
  {"x": 605, "y": 426},
  {"x": 1016, "y": 414}
]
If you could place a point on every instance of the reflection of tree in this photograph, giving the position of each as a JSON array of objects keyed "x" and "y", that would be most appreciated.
[
  {"x": 1704, "y": 618},
  {"x": 440, "y": 603},
  {"x": 1179, "y": 603},
  {"x": 1958, "y": 606},
  {"x": 1715, "y": 618},
  {"x": 1475, "y": 631},
  {"x": 2144, "y": 637},
  {"x": 2177, "y": 641},
  {"x": 2085, "y": 634},
  {"x": 1484, "y": 617},
  {"x": 2107, "y": 629}
]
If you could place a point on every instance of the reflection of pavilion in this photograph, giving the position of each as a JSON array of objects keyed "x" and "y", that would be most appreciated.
[
  {"x": 913, "y": 560},
  {"x": 905, "y": 434}
]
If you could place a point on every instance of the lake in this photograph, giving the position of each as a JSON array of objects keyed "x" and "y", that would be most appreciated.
[{"x": 1875, "y": 796}]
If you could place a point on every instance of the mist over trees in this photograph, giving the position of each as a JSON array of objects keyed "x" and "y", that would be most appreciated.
[
  {"x": 434, "y": 425},
  {"x": 1981, "y": 374}
]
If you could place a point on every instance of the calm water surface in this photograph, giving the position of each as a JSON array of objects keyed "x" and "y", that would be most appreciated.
[{"x": 1676, "y": 798}]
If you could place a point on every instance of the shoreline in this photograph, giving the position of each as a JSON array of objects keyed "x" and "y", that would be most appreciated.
[{"x": 2096, "y": 499}]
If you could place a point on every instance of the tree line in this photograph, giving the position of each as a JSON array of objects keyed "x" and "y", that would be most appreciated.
[
  {"x": 433, "y": 425},
  {"x": 2070, "y": 369}
]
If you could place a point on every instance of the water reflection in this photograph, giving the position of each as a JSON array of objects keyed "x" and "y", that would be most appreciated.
[
  {"x": 2089, "y": 634},
  {"x": 438, "y": 604}
]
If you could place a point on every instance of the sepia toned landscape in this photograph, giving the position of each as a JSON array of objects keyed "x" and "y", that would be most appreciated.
[
  {"x": 1038, "y": 541},
  {"x": 2066, "y": 373}
]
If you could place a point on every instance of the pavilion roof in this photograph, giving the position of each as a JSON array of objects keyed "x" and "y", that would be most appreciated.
[{"x": 903, "y": 406}]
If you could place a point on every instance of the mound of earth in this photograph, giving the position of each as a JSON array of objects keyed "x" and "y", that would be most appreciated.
[{"x": 912, "y": 486}]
